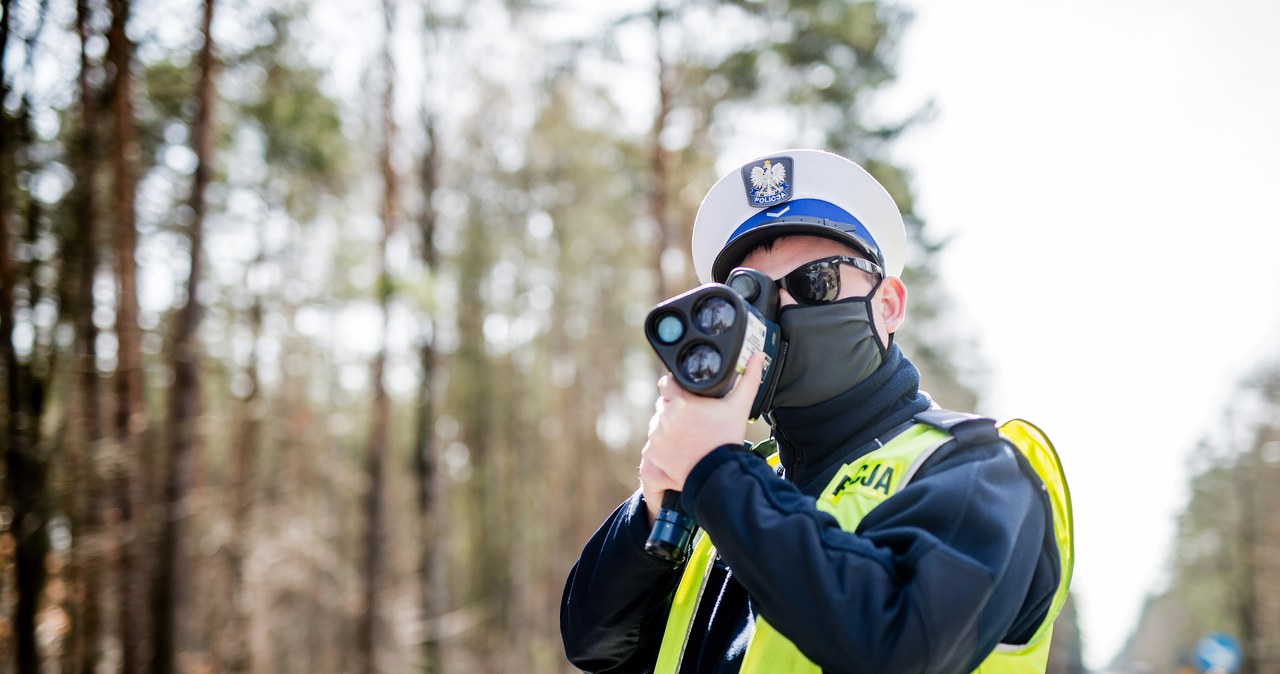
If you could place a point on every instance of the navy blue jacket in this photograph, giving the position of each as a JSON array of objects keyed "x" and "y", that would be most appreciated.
[{"x": 959, "y": 560}]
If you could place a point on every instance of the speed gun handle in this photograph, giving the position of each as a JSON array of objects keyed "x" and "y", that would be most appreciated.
[{"x": 672, "y": 530}]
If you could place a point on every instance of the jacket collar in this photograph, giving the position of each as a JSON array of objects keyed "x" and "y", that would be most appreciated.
[{"x": 812, "y": 439}]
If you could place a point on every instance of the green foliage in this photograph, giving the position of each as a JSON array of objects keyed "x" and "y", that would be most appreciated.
[
  {"x": 304, "y": 146},
  {"x": 823, "y": 59},
  {"x": 301, "y": 125},
  {"x": 167, "y": 89}
]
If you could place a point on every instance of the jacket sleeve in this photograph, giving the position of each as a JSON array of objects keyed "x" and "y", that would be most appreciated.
[
  {"x": 617, "y": 597},
  {"x": 931, "y": 581}
]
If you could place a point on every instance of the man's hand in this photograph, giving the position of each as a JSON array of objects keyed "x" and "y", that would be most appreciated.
[{"x": 686, "y": 427}]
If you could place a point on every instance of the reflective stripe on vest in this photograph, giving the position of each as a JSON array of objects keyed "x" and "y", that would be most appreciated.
[{"x": 856, "y": 489}]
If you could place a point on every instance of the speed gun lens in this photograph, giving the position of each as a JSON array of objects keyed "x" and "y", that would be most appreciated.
[
  {"x": 669, "y": 329},
  {"x": 700, "y": 363},
  {"x": 714, "y": 316},
  {"x": 746, "y": 285}
]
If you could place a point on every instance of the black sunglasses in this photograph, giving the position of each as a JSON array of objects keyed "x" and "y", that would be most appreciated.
[{"x": 818, "y": 282}]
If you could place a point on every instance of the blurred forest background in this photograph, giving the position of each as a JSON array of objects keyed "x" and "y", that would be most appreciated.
[{"x": 320, "y": 322}]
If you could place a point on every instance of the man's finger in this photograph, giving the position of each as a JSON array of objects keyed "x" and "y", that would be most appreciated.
[{"x": 749, "y": 383}]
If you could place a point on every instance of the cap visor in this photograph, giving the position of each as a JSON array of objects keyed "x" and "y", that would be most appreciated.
[{"x": 731, "y": 255}]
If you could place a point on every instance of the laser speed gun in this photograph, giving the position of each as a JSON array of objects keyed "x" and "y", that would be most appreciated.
[{"x": 705, "y": 338}]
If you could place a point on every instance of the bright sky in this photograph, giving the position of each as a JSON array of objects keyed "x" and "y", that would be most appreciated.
[{"x": 1108, "y": 170}]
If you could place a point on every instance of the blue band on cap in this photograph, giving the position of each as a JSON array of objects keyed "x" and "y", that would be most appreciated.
[{"x": 811, "y": 208}]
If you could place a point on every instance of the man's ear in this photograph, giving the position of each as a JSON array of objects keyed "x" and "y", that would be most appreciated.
[{"x": 890, "y": 304}]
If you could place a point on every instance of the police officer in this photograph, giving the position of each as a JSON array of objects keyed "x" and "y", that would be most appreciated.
[{"x": 883, "y": 534}]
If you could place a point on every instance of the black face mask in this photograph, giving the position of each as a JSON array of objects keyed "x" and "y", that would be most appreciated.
[{"x": 832, "y": 347}]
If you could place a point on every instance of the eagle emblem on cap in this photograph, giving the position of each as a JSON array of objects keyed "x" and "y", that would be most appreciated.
[{"x": 767, "y": 181}]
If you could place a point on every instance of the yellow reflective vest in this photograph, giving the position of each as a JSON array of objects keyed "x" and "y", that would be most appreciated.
[{"x": 857, "y": 488}]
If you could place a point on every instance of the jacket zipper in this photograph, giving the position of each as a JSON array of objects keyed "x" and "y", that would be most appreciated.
[{"x": 796, "y": 456}]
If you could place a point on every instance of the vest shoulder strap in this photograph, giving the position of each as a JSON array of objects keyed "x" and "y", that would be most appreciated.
[
  {"x": 965, "y": 428},
  {"x": 947, "y": 419}
]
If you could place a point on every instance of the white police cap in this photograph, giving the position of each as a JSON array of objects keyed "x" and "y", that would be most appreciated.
[{"x": 796, "y": 192}]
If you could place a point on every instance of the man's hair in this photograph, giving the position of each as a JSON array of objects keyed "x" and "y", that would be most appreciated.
[{"x": 767, "y": 246}]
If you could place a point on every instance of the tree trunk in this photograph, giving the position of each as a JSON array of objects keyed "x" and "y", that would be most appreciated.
[
  {"x": 173, "y": 578},
  {"x": 1246, "y": 544},
  {"x": 1267, "y": 448},
  {"x": 25, "y": 473},
  {"x": 660, "y": 161},
  {"x": 430, "y": 483},
  {"x": 8, "y": 269},
  {"x": 25, "y": 478},
  {"x": 478, "y": 404},
  {"x": 367, "y": 630},
  {"x": 234, "y": 654},
  {"x": 86, "y": 499},
  {"x": 130, "y": 419},
  {"x": 380, "y": 417},
  {"x": 26, "y": 468}
]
